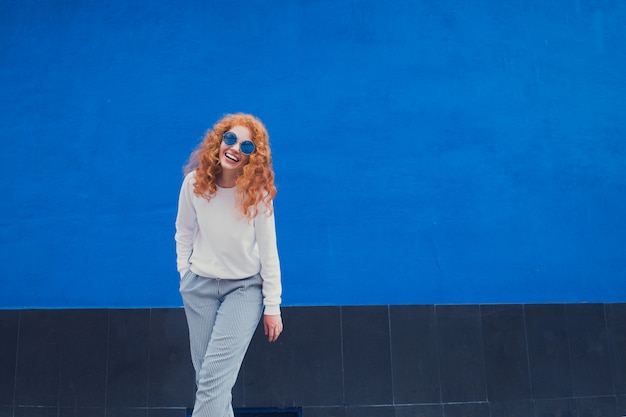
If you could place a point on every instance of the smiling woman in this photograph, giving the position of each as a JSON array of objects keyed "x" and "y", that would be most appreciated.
[
  {"x": 232, "y": 156},
  {"x": 227, "y": 255},
  {"x": 255, "y": 181}
]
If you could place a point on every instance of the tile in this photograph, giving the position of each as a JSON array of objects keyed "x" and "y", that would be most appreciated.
[
  {"x": 522, "y": 408},
  {"x": 171, "y": 374},
  {"x": 371, "y": 411},
  {"x": 129, "y": 354},
  {"x": 81, "y": 412},
  {"x": 420, "y": 410},
  {"x": 318, "y": 366},
  {"x": 414, "y": 354},
  {"x": 266, "y": 412},
  {"x": 367, "y": 355},
  {"x": 616, "y": 324},
  {"x": 548, "y": 351},
  {"x": 589, "y": 350},
  {"x": 565, "y": 407},
  {"x": 506, "y": 357},
  {"x": 469, "y": 409},
  {"x": 9, "y": 322},
  {"x": 167, "y": 412},
  {"x": 83, "y": 358},
  {"x": 127, "y": 412},
  {"x": 39, "y": 356},
  {"x": 461, "y": 353},
  {"x": 36, "y": 411},
  {"x": 268, "y": 368},
  {"x": 238, "y": 399},
  {"x": 596, "y": 407},
  {"x": 323, "y": 411},
  {"x": 621, "y": 405}
]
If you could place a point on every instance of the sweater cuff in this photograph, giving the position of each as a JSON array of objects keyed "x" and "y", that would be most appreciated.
[
  {"x": 272, "y": 310},
  {"x": 183, "y": 273}
]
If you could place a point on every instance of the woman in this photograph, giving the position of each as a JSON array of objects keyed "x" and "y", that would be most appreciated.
[{"x": 226, "y": 255}]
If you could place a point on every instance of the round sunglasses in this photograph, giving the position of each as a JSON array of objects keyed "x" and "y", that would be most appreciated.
[{"x": 246, "y": 147}]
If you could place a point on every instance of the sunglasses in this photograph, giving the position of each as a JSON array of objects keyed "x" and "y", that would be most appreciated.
[{"x": 246, "y": 147}]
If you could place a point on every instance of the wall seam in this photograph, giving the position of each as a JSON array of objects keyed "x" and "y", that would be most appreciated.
[
  {"x": 569, "y": 349},
  {"x": 343, "y": 370},
  {"x": 17, "y": 356},
  {"x": 106, "y": 364},
  {"x": 63, "y": 332},
  {"x": 149, "y": 360},
  {"x": 530, "y": 379},
  {"x": 438, "y": 348},
  {"x": 393, "y": 386}
]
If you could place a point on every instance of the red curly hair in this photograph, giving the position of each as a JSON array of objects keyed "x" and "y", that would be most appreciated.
[{"x": 255, "y": 184}]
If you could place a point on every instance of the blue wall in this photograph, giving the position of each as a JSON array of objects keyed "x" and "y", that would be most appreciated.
[{"x": 431, "y": 152}]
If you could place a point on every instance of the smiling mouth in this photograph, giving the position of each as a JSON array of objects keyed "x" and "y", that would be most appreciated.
[{"x": 231, "y": 157}]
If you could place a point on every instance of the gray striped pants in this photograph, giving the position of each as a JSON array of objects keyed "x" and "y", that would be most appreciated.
[{"x": 222, "y": 316}]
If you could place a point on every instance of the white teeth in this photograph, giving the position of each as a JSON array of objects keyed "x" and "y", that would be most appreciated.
[{"x": 231, "y": 157}]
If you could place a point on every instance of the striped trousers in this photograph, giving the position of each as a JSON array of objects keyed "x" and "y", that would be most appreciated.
[{"x": 222, "y": 316}]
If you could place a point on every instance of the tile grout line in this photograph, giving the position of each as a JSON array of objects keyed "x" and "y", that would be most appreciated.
[
  {"x": 437, "y": 350},
  {"x": 530, "y": 380},
  {"x": 149, "y": 354},
  {"x": 17, "y": 356},
  {"x": 393, "y": 387},
  {"x": 343, "y": 370},
  {"x": 433, "y": 322},
  {"x": 62, "y": 332},
  {"x": 569, "y": 350},
  {"x": 106, "y": 365},
  {"x": 609, "y": 345},
  {"x": 484, "y": 351}
]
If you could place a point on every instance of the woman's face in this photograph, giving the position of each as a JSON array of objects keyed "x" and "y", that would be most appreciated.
[{"x": 231, "y": 157}]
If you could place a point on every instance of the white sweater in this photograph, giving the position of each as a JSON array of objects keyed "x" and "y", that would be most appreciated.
[{"x": 215, "y": 240}]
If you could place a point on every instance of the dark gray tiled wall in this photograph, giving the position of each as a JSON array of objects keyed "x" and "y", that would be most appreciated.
[
  {"x": 548, "y": 351},
  {"x": 415, "y": 356},
  {"x": 504, "y": 338},
  {"x": 366, "y": 356},
  {"x": 362, "y": 361},
  {"x": 461, "y": 354}
]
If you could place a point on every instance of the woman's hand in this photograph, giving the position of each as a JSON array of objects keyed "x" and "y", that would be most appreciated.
[{"x": 273, "y": 326}]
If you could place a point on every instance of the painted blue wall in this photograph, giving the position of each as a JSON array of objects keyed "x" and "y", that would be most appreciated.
[{"x": 425, "y": 152}]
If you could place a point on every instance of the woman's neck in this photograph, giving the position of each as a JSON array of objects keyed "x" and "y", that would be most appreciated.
[{"x": 226, "y": 181}]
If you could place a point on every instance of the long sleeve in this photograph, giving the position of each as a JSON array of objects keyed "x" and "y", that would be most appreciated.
[
  {"x": 186, "y": 225},
  {"x": 265, "y": 232}
]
